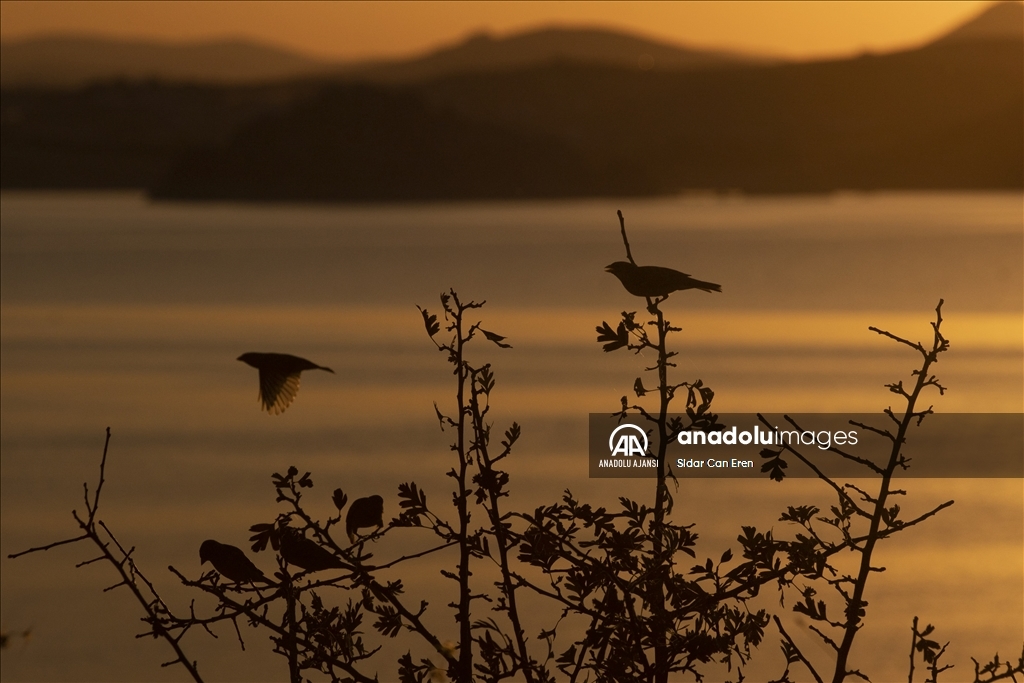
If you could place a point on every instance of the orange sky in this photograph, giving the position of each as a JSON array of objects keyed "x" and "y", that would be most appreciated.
[{"x": 356, "y": 30}]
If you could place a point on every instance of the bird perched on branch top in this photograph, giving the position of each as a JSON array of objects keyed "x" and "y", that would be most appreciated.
[
  {"x": 279, "y": 377},
  {"x": 655, "y": 281},
  {"x": 364, "y": 513},
  {"x": 230, "y": 562}
]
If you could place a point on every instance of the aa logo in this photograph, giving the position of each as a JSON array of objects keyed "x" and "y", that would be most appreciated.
[{"x": 628, "y": 440}]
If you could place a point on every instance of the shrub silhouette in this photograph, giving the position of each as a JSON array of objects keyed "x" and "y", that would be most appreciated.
[
  {"x": 648, "y": 618},
  {"x": 631, "y": 576},
  {"x": 812, "y": 557}
]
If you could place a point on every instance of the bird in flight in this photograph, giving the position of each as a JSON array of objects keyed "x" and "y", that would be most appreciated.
[
  {"x": 230, "y": 562},
  {"x": 364, "y": 513},
  {"x": 305, "y": 554},
  {"x": 655, "y": 281},
  {"x": 279, "y": 377}
]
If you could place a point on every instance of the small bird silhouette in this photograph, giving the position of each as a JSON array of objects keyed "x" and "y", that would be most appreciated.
[
  {"x": 364, "y": 513},
  {"x": 230, "y": 562},
  {"x": 279, "y": 377},
  {"x": 298, "y": 550},
  {"x": 655, "y": 281}
]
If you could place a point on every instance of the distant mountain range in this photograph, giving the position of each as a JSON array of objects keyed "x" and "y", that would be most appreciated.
[
  {"x": 528, "y": 117},
  {"x": 70, "y": 61},
  {"x": 483, "y": 53},
  {"x": 1000, "y": 21},
  {"x": 74, "y": 61},
  {"x": 942, "y": 117}
]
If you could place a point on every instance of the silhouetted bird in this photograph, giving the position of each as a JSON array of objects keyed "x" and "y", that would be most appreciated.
[
  {"x": 298, "y": 550},
  {"x": 230, "y": 562},
  {"x": 655, "y": 281},
  {"x": 364, "y": 513},
  {"x": 279, "y": 377}
]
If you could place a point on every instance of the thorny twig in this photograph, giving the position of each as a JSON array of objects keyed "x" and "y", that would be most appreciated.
[{"x": 157, "y": 614}]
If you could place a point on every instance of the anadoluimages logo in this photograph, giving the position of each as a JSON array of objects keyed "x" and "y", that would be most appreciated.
[
  {"x": 840, "y": 445},
  {"x": 628, "y": 440}
]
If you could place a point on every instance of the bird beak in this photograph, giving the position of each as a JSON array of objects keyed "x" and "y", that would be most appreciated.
[{"x": 608, "y": 268}]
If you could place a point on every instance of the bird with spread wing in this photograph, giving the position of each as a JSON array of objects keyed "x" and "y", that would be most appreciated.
[{"x": 279, "y": 377}]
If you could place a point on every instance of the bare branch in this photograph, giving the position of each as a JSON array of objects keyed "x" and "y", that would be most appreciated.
[{"x": 796, "y": 650}]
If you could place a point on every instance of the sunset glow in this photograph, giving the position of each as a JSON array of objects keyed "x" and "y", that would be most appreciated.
[{"x": 362, "y": 30}]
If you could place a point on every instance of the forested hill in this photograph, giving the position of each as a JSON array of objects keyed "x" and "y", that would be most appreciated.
[
  {"x": 944, "y": 116},
  {"x": 60, "y": 61}
]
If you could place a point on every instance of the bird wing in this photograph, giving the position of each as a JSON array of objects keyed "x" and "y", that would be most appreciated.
[
  {"x": 353, "y": 520},
  {"x": 238, "y": 565},
  {"x": 364, "y": 513},
  {"x": 670, "y": 280},
  {"x": 278, "y": 389},
  {"x": 306, "y": 554}
]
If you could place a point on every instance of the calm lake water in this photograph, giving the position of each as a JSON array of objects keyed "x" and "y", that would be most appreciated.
[{"x": 119, "y": 312}]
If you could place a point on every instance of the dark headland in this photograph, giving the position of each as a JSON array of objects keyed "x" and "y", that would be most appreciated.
[{"x": 549, "y": 114}]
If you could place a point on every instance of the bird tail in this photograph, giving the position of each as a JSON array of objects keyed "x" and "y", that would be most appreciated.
[{"x": 706, "y": 286}]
